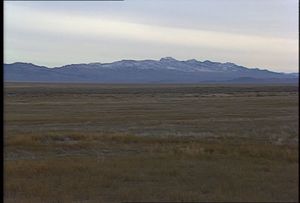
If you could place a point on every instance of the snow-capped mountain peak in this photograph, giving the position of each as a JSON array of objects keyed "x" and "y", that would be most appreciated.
[{"x": 166, "y": 69}]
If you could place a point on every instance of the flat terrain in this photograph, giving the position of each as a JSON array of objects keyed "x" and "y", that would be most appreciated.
[{"x": 118, "y": 143}]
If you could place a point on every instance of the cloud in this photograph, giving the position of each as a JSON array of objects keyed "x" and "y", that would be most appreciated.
[{"x": 93, "y": 29}]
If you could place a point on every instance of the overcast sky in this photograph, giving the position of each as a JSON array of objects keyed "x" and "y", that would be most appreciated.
[{"x": 253, "y": 33}]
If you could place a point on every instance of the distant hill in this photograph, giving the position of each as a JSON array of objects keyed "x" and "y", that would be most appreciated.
[{"x": 165, "y": 70}]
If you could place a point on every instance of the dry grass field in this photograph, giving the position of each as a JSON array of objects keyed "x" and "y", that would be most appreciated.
[{"x": 122, "y": 143}]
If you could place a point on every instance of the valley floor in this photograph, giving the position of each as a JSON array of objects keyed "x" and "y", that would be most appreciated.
[{"x": 121, "y": 143}]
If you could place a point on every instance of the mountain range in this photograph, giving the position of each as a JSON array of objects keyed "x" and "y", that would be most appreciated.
[{"x": 165, "y": 70}]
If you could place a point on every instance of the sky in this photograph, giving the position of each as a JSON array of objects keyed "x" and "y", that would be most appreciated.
[{"x": 255, "y": 33}]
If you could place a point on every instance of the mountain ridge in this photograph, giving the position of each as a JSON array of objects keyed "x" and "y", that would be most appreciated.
[{"x": 165, "y": 70}]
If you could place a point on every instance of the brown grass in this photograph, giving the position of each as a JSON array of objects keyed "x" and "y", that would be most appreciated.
[{"x": 150, "y": 143}]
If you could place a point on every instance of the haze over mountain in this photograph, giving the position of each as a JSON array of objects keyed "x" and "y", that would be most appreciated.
[{"x": 165, "y": 70}]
